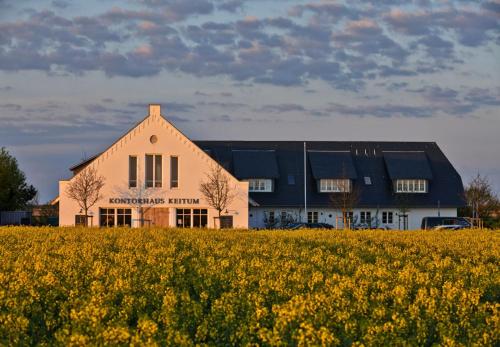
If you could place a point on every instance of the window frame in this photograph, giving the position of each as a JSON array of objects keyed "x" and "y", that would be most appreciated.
[
  {"x": 387, "y": 217},
  {"x": 419, "y": 186},
  {"x": 312, "y": 217},
  {"x": 154, "y": 182},
  {"x": 132, "y": 183},
  {"x": 174, "y": 184},
  {"x": 365, "y": 217},
  {"x": 260, "y": 185},
  {"x": 335, "y": 185}
]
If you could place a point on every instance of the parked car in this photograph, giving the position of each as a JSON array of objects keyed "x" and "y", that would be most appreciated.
[
  {"x": 296, "y": 226},
  {"x": 449, "y": 227},
  {"x": 445, "y": 223}
]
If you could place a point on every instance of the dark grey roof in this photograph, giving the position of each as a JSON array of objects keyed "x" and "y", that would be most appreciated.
[
  {"x": 407, "y": 165},
  {"x": 255, "y": 164},
  {"x": 445, "y": 188},
  {"x": 327, "y": 164}
]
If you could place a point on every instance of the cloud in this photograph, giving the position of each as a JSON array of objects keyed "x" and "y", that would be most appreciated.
[
  {"x": 281, "y": 108},
  {"x": 168, "y": 107},
  {"x": 382, "y": 111},
  {"x": 344, "y": 45},
  {"x": 14, "y": 107},
  {"x": 176, "y": 10},
  {"x": 60, "y": 4}
]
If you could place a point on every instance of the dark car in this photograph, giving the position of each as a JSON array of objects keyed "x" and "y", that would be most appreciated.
[
  {"x": 297, "y": 226},
  {"x": 445, "y": 223}
]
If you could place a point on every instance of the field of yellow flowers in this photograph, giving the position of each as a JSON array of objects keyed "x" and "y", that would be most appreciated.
[{"x": 75, "y": 286}]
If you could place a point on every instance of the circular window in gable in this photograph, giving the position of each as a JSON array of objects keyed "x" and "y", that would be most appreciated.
[{"x": 153, "y": 139}]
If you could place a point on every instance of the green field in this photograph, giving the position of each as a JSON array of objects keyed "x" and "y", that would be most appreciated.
[{"x": 75, "y": 286}]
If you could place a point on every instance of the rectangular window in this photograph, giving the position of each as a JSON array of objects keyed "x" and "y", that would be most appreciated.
[
  {"x": 153, "y": 171},
  {"x": 271, "y": 218},
  {"x": 124, "y": 217},
  {"x": 174, "y": 172},
  {"x": 107, "y": 217},
  {"x": 348, "y": 216},
  {"x": 312, "y": 217},
  {"x": 411, "y": 186},
  {"x": 387, "y": 217},
  {"x": 291, "y": 180},
  {"x": 284, "y": 216},
  {"x": 334, "y": 185},
  {"x": 110, "y": 217},
  {"x": 183, "y": 218},
  {"x": 365, "y": 217},
  {"x": 132, "y": 171},
  {"x": 260, "y": 185},
  {"x": 158, "y": 171},
  {"x": 200, "y": 218},
  {"x": 149, "y": 171}
]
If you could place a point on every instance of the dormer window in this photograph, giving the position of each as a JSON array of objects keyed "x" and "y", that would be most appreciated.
[
  {"x": 334, "y": 185},
  {"x": 411, "y": 186},
  {"x": 260, "y": 185}
]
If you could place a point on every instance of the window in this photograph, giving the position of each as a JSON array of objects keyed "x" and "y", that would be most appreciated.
[
  {"x": 174, "y": 172},
  {"x": 132, "y": 171},
  {"x": 348, "y": 216},
  {"x": 365, "y": 217},
  {"x": 79, "y": 219},
  {"x": 183, "y": 218},
  {"x": 411, "y": 186},
  {"x": 387, "y": 217},
  {"x": 110, "y": 217},
  {"x": 312, "y": 217},
  {"x": 153, "y": 170},
  {"x": 368, "y": 180},
  {"x": 334, "y": 185},
  {"x": 200, "y": 218},
  {"x": 192, "y": 218},
  {"x": 271, "y": 218},
  {"x": 107, "y": 217},
  {"x": 291, "y": 180},
  {"x": 124, "y": 217},
  {"x": 260, "y": 185}
]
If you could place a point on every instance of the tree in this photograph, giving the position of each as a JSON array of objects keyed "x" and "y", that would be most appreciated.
[
  {"x": 217, "y": 190},
  {"x": 345, "y": 200},
  {"x": 140, "y": 198},
  {"x": 15, "y": 193},
  {"x": 481, "y": 200},
  {"x": 85, "y": 189},
  {"x": 403, "y": 203}
]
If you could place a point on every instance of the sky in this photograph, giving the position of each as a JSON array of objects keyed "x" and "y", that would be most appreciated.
[{"x": 75, "y": 75}]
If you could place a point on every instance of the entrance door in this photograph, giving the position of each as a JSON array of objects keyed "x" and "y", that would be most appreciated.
[{"x": 158, "y": 216}]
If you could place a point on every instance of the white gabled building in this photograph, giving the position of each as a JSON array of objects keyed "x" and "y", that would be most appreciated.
[{"x": 155, "y": 167}]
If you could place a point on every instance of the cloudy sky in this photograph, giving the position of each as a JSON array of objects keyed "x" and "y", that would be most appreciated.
[{"x": 75, "y": 75}]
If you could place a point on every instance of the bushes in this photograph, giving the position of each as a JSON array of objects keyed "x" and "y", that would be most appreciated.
[{"x": 78, "y": 286}]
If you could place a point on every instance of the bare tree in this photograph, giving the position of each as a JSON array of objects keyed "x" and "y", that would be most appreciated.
[
  {"x": 140, "y": 198},
  {"x": 481, "y": 200},
  {"x": 85, "y": 189},
  {"x": 403, "y": 203},
  {"x": 345, "y": 200},
  {"x": 217, "y": 190}
]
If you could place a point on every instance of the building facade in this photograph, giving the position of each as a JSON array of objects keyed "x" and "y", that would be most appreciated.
[
  {"x": 155, "y": 169},
  {"x": 152, "y": 176}
]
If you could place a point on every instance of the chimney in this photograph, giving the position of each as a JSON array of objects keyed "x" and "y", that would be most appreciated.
[{"x": 154, "y": 110}]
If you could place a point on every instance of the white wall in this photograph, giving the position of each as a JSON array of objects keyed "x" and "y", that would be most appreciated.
[
  {"x": 194, "y": 164},
  {"x": 328, "y": 215}
]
